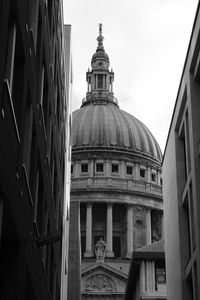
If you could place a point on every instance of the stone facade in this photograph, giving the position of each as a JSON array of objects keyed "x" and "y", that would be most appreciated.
[
  {"x": 116, "y": 180},
  {"x": 147, "y": 275}
]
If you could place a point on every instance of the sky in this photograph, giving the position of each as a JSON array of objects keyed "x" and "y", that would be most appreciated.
[{"x": 146, "y": 41}]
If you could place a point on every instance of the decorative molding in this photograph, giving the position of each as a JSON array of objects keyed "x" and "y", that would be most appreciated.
[
  {"x": 100, "y": 283},
  {"x": 113, "y": 183}
]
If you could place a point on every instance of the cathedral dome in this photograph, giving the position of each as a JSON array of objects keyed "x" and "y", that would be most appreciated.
[
  {"x": 100, "y": 124},
  {"x": 107, "y": 126},
  {"x": 116, "y": 183}
]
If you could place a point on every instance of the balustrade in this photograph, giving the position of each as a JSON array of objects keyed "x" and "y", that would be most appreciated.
[{"x": 119, "y": 183}]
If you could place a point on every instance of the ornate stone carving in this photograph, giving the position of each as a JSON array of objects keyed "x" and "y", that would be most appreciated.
[
  {"x": 100, "y": 250},
  {"x": 100, "y": 283}
]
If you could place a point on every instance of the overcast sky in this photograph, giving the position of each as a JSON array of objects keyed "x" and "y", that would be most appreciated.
[{"x": 146, "y": 41}]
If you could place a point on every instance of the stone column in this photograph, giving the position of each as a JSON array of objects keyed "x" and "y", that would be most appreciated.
[
  {"x": 107, "y": 168},
  {"x": 122, "y": 169},
  {"x": 148, "y": 174},
  {"x": 109, "y": 251},
  {"x": 148, "y": 226},
  {"x": 153, "y": 276},
  {"x": 91, "y": 166},
  {"x": 88, "y": 252},
  {"x": 129, "y": 231},
  {"x": 150, "y": 276},
  {"x": 96, "y": 84},
  {"x": 137, "y": 171},
  {"x": 76, "y": 166},
  {"x": 159, "y": 177},
  {"x": 142, "y": 277},
  {"x": 104, "y": 81}
]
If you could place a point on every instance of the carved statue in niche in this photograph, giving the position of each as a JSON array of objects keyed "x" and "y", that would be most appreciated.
[
  {"x": 100, "y": 282},
  {"x": 138, "y": 217},
  {"x": 139, "y": 211},
  {"x": 100, "y": 250}
]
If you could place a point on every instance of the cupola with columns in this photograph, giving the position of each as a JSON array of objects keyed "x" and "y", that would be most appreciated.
[{"x": 100, "y": 78}]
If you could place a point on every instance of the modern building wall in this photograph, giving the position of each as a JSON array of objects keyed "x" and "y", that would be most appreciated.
[
  {"x": 67, "y": 109},
  {"x": 34, "y": 139},
  {"x": 181, "y": 177},
  {"x": 74, "y": 278}
]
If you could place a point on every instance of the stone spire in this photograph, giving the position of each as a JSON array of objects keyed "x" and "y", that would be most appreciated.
[
  {"x": 100, "y": 58},
  {"x": 100, "y": 39},
  {"x": 100, "y": 78}
]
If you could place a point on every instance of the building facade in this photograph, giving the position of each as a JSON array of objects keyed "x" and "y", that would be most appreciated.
[
  {"x": 34, "y": 139},
  {"x": 147, "y": 273},
  {"x": 116, "y": 185},
  {"x": 181, "y": 177}
]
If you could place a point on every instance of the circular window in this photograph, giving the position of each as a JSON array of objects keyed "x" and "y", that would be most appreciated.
[{"x": 139, "y": 222}]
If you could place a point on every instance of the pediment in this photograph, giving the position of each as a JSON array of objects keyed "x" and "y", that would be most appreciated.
[
  {"x": 102, "y": 278},
  {"x": 99, "y": 266}
]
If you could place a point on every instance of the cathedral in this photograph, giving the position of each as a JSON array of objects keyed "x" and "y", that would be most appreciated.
[{"x": 116, "y": 183}]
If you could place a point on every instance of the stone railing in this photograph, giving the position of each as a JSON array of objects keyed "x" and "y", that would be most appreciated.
[
  {"x": 116, "y": 184},
  {"x": 102, "y": 96}
]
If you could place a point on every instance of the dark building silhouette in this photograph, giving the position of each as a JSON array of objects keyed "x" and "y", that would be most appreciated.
[
  {"x": 34, "y": 117},
  {"x": 181, "y": 178}
]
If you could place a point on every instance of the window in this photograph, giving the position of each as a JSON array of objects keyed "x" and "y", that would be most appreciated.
[
  {"x": 33, "y": 19},
  {"x": 99, "y": 167},
  {"x": 83, "y": 245},
  {"x": 72, "y": 169},
  {"x": 160, "y": 275},
  {"x": 33, "y": 163},
  {"x": 15, "y": 70},
  {"x": 11, "y": 54},
  {"x": 55, "y": 183},
  {"x": 39, "y": 202},
  {"x": 115, "y": 168},
  {"x": 100, "y": 81},
  {"x": 183, "y": 146},
  {"x": 44, "y": 94},
  {"x": 117, "y": 246},
  {"x": 129, "y": 170},
  {"x": 142, "y": 173},
  {"x": 39, "y": 38},
  {"x": 84, "y": 168},
  {"x": 28, "y": 133},
  {"x": 49, "y": 8},
  {"x": 153, "y": 177}
]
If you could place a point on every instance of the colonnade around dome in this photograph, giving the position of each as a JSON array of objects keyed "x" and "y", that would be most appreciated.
[{"x": 120, "y": 202}]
